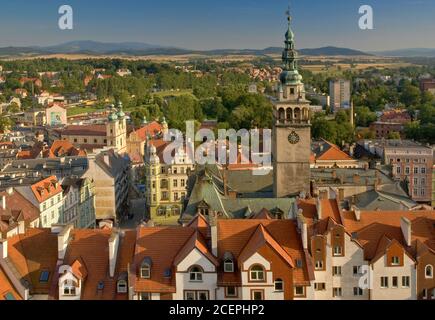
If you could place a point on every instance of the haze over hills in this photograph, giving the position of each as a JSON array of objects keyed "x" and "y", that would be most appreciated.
[
  {"x": 139, "y": 49},
  {"x": 408, "y": 53}
]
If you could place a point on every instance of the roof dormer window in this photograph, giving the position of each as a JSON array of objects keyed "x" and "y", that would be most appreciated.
[
  {"x": 228, "y": 262},
  {"x": 145, "y": 268}
]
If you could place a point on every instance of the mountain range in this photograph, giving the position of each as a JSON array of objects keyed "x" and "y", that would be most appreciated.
[{"x": 143, "y": 49}]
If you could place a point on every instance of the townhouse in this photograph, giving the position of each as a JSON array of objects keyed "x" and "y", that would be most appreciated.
[
  {"x": 47, "y": 196},
  {"x": 320, "y": 253}
]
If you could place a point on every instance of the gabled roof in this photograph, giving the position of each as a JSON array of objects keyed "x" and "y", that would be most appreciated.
[
  {"x": 263, "y": 214},
  {"x": 198, "y": 242},
  {"x": 79, "y": 269},
  {"x": 325, "y": 150},
  {"x": 161, "y": 245},
  {"x": 374, "y": 225},
  {"x": 151, "y": 129},
  {"x": 260, "y": 238},
  {"x": 201, "y": 224},
  {"x": 234, "y": 235},
  {"x": 63, "y": 148}
]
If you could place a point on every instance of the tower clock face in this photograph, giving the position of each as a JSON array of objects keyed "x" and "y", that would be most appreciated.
[{"x": 293, "y": 138}]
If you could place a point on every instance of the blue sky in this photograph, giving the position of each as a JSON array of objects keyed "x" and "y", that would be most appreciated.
[{"x": 206, "y": 24}]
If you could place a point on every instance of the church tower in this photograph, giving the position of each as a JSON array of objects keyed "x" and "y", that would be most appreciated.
[{"x": 291, "y": 146}]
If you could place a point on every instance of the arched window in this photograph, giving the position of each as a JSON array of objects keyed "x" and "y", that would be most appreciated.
[
  {"x": 297, "y": 114},
  {"x": 289, "y": 114},
  {"x": 195, "y": 274},
  {"x": 428, "y": 271},
  {"x": 145, "y": 268},
  {"x": 122, "y": 286},
  {"x": 257, "y": 273},
  {"x": 281, "y": 114},
  {"x": 279, "y": 285}
]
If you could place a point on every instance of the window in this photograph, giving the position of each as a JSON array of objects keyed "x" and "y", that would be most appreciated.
[
  {"x": 319, "y": 286},
  {"x": 428, "y": 272},
  {"x": 398, "y": 170},
  {"x": 195, "y": 295},
  {"x": 299, "y": 291},
  {"x": 337, "y": 292},
  {"x": 319, "y": 265},
  {"x": 407, "y": 170},
  {"x": 357, "y": 291},
  {"x": 43, "y": 277},
  {"x": 228, "y": 266},
  {"x": 338, "y": 251},
  {"x": 122, "y": 286},
  {"x": 415, "y": 181},
  {"x": 423, "y": 170},
  {"x": 356, "y": 270},
  {"x": 336, "y": 270},
  {"x": 395, "y": 282},
  {"x": 256, "y": 273},
  {"x": 144, "y": 296},
  {"x": 423, "y": 182},
  {"x": 195, "y": 274},
  {"x": 175, "y": 183},
  {"x": 257, "y": 295},
  {"x": 231, "y": 291},
  {"x": 145, "y": 268},
  {"x": 424, "y": 294},
  {"x": 422, "y": 192},
  {"x": 75, "y": 140},
  {"x": 298, "y": 263},
  {"x": 405, "y": 281},
  {"x": 384, "y": 282},
  {"x": 183, "y": 182},
  {"x": 416, "y": 170},
  {"x": 279, "y": 285},
  {"x": 395, "y": 261}
]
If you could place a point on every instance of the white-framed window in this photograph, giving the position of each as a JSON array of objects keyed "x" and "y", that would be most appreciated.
[
  {"x": 145, "y": 271},
  {"x": 228, "y": 265},
  {"x": 384, "y": 282},
  {"x": 195, "y": 274},
  {"x": 121, "y": 286},
  {"x": 299, "y": 291},
  {"x": 423, "y": 170},
  {"x": 416, "y": 170},
  {"x": 338, "y": 250},
  {"x": 144, "y": 296},
  {"x": 405, "y": 281},
  {"x": 395, "y": 261},
  {"x": 279, "y": 285},
  {"x": 319, "y": 265},
  {"x": 395, "y": 282},
  {"x": 195, "y": 295},
  {"x": 319, "y": 286},
  {"x": 336, "y": 270},
  {"x": 337, "y": 292},
  {"x": 257, "y": 273},
  {"x": 428, "y": 271},
  {"x": 231, "y": 291},
  {"x": 357, "y": 291}
]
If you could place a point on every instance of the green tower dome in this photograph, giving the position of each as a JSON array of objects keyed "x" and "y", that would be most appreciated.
[
  {"x": 120, "y": 114},
  {"x": 113, "y": 116}
]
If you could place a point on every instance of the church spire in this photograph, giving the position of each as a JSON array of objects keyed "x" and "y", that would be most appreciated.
[{"x": 290, "y": 73}]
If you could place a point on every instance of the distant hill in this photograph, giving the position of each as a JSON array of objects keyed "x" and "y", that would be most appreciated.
[
  {"x": 408, "y": 53},
  {"x": 137, "y": 49}
]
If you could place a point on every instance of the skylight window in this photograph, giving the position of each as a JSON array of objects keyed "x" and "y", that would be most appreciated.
[{"x": 43, "y": 277}]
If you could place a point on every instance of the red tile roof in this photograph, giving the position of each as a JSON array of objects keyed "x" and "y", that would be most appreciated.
[
  {"x": 85, "y": 130},
  {"x": 34, "y": 252},
  {"x": 6, "y": 287},
  {"x": 63, "y": 148},
  {"x": 46, "y": 188},
  {"x": 161, "y": 245},
  {"x": 151, "y": 129},
  {"x": 282, "y": 235},
  {"x": 333, "y": 153}
]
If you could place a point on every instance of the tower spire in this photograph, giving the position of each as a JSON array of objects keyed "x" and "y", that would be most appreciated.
[{"x": 290, "y": 73}]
